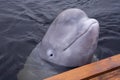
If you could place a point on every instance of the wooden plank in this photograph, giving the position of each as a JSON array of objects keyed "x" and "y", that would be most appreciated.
[
  {"x": 89, "y": 70},
  {"x": 110, "y": 75}
]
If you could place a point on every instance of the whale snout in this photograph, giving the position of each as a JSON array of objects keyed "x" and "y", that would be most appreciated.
[
  {"x": 71, "y": 39},
  {"x": 91, "y": 21}
]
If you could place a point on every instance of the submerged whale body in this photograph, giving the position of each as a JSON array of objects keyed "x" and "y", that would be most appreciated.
[{"x": 69, "y": 42}]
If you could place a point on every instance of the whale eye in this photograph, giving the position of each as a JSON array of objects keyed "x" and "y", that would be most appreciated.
[{"x": 50, "y": 53}]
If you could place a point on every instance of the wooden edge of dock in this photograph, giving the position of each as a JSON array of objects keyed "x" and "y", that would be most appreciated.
[{"x": 89, "y": 71}]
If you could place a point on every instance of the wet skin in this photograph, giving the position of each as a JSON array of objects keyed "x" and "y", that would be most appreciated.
[{"x": 69, "y": 42}]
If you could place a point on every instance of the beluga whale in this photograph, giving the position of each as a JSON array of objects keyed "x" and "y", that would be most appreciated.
[{"x": 69, "y": 42}]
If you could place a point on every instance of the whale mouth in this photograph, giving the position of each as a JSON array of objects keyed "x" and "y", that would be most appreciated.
[{"x": 93, "y": 23}]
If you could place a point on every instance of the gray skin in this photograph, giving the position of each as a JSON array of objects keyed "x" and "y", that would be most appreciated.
[{"x": 69, "y": 42}]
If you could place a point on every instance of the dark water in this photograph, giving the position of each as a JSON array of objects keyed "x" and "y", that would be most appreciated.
[{"x": 23, "y": 24}]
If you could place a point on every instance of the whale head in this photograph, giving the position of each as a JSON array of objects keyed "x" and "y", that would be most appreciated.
[{"x": 70, "y": 40}]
